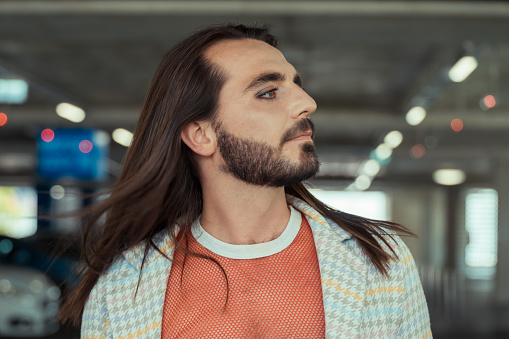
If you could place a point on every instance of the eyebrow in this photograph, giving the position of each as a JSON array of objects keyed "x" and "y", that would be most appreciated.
[{"x": 271, "y": 76}]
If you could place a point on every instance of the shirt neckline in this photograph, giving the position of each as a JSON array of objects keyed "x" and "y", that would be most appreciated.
[{"x": 249, "y": 251}]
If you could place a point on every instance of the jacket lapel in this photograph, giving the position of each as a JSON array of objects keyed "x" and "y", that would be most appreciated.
[{"x": 343, "y": 273}]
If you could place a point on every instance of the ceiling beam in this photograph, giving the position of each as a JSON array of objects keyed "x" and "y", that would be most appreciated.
[
  {"x": 465, "y": 9},
  {"x": 329, "y": 120}
]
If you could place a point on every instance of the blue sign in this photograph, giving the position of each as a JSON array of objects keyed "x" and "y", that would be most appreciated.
[{"x": 73, "y": 153}]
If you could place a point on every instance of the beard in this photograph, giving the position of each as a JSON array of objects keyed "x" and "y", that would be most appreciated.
[{"x": 260, "y": 164}]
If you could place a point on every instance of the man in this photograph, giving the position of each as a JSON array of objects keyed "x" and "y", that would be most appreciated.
[{"x": 210, "y": 232}]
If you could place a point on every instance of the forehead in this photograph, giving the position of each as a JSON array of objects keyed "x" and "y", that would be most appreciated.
[{"x": 244, "y": 59}]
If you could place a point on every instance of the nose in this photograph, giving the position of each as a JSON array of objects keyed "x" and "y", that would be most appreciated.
[{"x": 304, "y": 105}]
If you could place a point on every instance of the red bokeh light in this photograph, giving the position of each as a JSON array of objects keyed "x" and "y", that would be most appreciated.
[
  {"x": 86, "y": 146},
  {"x": 418, "y": 151},
  {"x": 456, "y": 125},
  {"x": 490, "y": 101},
  {"x": 3, "y": 119},
  {"x": 47, "y": 135}
]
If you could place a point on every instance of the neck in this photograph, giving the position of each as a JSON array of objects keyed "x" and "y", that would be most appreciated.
[{"x": 240, "y": 213}]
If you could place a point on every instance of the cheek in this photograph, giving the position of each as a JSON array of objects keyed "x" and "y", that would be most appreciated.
[
  {"x": 267, "y": 130},
  {"x": 260, "y": 121}
]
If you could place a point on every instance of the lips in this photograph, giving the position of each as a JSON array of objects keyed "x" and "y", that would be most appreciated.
[
  {"x": 307, "y": 135},
  {"x": 302, "y": 130}
]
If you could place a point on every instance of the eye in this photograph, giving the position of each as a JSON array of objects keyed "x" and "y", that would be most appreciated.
[{"x": 271, "y": 94}]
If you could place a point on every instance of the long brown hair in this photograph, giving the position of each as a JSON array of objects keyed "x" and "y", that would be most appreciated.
[{"x": 159, "y": 189}]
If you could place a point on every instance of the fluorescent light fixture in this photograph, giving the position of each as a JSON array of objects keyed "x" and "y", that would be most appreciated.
[
  {"x": 415, "y": 115},
  {"x": 19, "y": 211},
  {"x": 393, "y": 139},
  {"x": 383, "y": 152},
  {"x": 122, "y": 136},
  {"x": 371, "y": 167},
  {"x": 449, "y": 176},
  {"x": 70, "y": 112},
  {"x": 13, "y": 91},
  {"x": 462, "y": 68}
]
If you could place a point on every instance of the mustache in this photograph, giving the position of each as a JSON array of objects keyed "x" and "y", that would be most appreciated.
[{"x": 301, "y": 126}]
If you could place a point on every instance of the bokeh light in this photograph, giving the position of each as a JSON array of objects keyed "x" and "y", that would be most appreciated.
[
  {"x": 362, "y": 182},
  {"x": 6, "y": 246},
  {"x": 70, "y": 112},
  {"x": 417, "y": 151},
  {"x": 371, "y": 167},
  {"x": 101, "y": 139},
  {"x": 415, "y": 115},
  {"x": 86, "y": 146},
  {"x": 449, "y": 176},
  {"x": 122, "y": 136},
  {"x": 456, "y": 125},
  {"x": 393, "y": 139},
  {"x": 57, "y": 192},
  {"x": 3, "y": 119},
  {"x": 47, "y": 135},
  {"x": 462, "y": 68},
  {"x": 383, "y": 152},
  {"x": 431, "y": 141},
  {"x": 36, "y": 286},
  {"x": 489, "y": 101}
]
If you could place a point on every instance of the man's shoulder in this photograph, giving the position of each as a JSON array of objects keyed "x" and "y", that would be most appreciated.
[
  {"x": 389, "y": 241},
  {"x": 118, "y": 271}
]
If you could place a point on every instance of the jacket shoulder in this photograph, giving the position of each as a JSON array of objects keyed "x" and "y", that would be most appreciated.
[
  {"x": 398, "y": 300},
  {"x": 95, "y": 322}
]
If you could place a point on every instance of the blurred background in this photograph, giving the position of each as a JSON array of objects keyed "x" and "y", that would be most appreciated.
[{"x": 412, "y": 126}]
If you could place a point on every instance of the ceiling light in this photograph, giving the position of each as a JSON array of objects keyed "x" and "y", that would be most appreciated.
[
  {"x": 70, "y": 112},
  {"x": 415, "y": 115},
  {"x": 122, "y": 136},
  {"x": 383, "y": 152},
  {"x": 13, "y": 91},
  {"x": 462, "y": 68},
  {"x": 362, "y": 182},
  {"x": 449, "y": 177},
  {"x": 393, "y": 139},
  {"x": 371, "y": 167}
]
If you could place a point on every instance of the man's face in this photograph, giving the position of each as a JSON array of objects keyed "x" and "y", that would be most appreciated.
[{"x": 263, "y": 131}]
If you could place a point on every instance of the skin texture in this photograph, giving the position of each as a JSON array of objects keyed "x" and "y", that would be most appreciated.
[{"x": 237, "y": 211}]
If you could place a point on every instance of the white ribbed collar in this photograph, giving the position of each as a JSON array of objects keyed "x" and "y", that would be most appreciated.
[{"x": 249, "y": 251}]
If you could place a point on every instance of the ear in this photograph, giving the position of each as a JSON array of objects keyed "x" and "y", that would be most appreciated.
[{"x": 199, "y": 137}]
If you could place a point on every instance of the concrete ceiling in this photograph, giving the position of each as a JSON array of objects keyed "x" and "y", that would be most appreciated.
[{"x": 364, "y": 62}]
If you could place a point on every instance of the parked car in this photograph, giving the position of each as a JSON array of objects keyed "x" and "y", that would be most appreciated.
[{"x": 28, "y": 303}]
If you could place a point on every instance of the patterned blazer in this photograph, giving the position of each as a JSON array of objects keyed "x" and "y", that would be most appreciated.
[{"x": 358, "y": 301}]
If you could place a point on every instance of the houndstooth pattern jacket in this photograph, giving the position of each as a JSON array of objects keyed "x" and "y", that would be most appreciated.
[{"x": 358, "y": 301}]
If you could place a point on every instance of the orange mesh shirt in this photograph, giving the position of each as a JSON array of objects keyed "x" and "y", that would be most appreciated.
[{"x": 274, "y": 288}]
